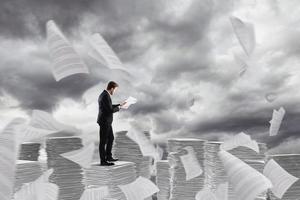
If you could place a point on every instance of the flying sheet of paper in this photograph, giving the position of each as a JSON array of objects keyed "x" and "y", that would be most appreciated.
[
  {"x": 43, "y": 120},
  {"x": 129, "y": 101},
  {"x": 205, "y": 194},
  {"x": 247, "y": 182},
  {"x": 95, "y": 193},
  {"x": 270, "y": 97},
  {"x": 242, "y": 64},
  {"x": 27, "y": 133},
  {"x": 66, "y": 60},
  {"x": 105, "y": 52},
  {"x": 146, "y": 146},
  {"x": 8, "y": 157},
  {"x": 244, "y": 31},
  {"x": 83, "y": 156},
  {"x": 240, "y": 139},
  {"x": 222, "y": 191},
  {"x": 279, "y": 177},
  {"x": 276, "y": 120},
  {"x": 139, "y": 189},
  {"x": 191, "y": 164}
]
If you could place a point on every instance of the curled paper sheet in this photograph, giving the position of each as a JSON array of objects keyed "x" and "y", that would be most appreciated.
[
  {"x": 276, "y": 121},
  {"x": 191, "y": 164},
  {"x": 83, "y": 156},
  {"x": 205, "y": 194},
  {"x": 240, "y": 139},
  {"x": 222, "y": 191},
  {"x": 65, "y": 59},
  {"x": 280, "y": 178},
  {"x": 131, "y": 100},
  {"x": 141, "y": 188},
  {"x": 146, "y": 146},
  {"x": 8, "y": 157},
  {"x": 270, "y": 97},
  {"x": 244, "y": 31},
  {"x": 95, "y": 193},
  {"x": 105, "y": 52},
  {"x": 247, "y": 182},
  {"x": 43, "y": 120}
]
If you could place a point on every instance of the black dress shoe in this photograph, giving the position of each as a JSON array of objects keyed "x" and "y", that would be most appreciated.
[
  {"x": 106, "y": 163},
  {"x": 112, "y": 159}
]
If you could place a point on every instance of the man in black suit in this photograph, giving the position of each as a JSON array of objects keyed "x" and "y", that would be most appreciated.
[{"x": 105, "y": 119}]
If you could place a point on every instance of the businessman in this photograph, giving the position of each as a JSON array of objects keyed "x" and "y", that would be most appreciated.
[{"x": 105, "y": 119}]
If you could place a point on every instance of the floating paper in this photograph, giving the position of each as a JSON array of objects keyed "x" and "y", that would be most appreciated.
[
  {"x": 240, "y": 139},
  {"x": 83, "y": 157},
  {"x": 242, "y": 64},
  {"x": 270, "y": 97},
  {"x": 129, "y": 101},
  {"x": 222, "y": 191},
  {"x": 244, "y": 31},
  {"x": 8, "y": 156},
  {"x": 105, "y": 52},
  {"x": 280, "y": 178},
  {"x": 141, "y": 188},
  {"x": 247, "y": 182},
  {"x": 276, "y": 121},
  {"x": 205, "y": 194},
  {"x": 43, "y": 120},
  {"x": 95, "y": 193},
  {"x": 190, "y": 163},
  {"x": 65, "y": 59}
]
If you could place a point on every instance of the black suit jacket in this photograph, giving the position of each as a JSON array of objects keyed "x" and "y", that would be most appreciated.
[{"x": 106, "y": 108}]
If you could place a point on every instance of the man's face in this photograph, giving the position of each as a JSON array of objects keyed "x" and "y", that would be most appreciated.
[{"x": 113, "y": 90}]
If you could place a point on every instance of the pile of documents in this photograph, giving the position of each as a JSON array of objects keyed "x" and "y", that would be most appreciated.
[
  {"x": 163, "y": 179},
  {"x": 121, "y": 173},
  {"x": 29, "y": 151},
  {"x": 245, "y": 153},
  {"x": 182, "y": 185},
  {"x": 67, "y": 174},
  {"x": 289, "y": 164},
  {"x": 26, "y": 172},
  {"x": 127, "y": 150}
]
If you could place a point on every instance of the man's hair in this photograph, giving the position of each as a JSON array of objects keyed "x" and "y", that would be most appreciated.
[{"x": 112, "y": 84}]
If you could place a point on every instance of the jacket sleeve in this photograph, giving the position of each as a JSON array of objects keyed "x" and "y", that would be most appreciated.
[{"x": 108, "y": 107}]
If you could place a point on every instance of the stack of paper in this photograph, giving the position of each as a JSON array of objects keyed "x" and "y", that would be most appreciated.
[
  {"x": 186, "y": 178},
  {"x": 111, "y": 176},
  {"x": 67, "y": 174},
  {"x": 284, "y": 174},
  {"x": 127, "y": 150},
  {"x": 163, "y": 179},
  {"x": 245, "y": 153},
  {"x": 26, "y": 172},
  {"x": 29, "y": 151}
]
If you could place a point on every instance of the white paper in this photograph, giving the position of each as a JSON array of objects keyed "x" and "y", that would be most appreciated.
[
  {"x": 279, "y": 177},
  {"x": 244, "y": 31},
  {"x": 43, "y": 120},
  {"x": 95, "y": 193},
  {"x": 146, "y": 146},
  {"x": 131, "y": 100},
  {"x": 191, "y": 164},
  {"x": 222, "y": 191},
  {"x": 83, "y": 156},
  {"x": 205, "y": 194},
  {"x": 270, "y": 97},
  {"x": 66, "y": 60},
  {"x": 247, "y": 182},
  {"x": 8, "y": 157},
  {"x": 276, "y": 120},
  {"x": 140, "y": 189},
  {"x": 27, "y": 133},
  {"x": 34, "y": 191},
  {"x": 242, "y": 64},
  {"x": 105, "y": 52},
  {"x": 240, "y": 139}
]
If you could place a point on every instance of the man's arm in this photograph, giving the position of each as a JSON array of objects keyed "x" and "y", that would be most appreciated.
[{"x": 108, "y": 107}]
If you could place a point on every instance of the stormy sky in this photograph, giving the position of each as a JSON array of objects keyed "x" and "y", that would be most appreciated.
[{"x": 180, "y": 61}]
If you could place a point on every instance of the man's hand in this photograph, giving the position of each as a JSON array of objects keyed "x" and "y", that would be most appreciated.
[{"x": 122, "y": 104}]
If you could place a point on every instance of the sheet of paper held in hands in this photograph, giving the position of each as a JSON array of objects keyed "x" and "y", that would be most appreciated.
[
  {"x": 139, "y": 189},
  {"x": 191, "y": 164},
  {"x": 276, "y": 120},
  {"x": 66, "y": 61},
  {"x": 95, "y": 193},
  {"x": 279, "y": 177},
  {"x": 129, "y": 101},
  {"x": 240, "y": 139},
  {"x": 83, "y": 156},
  {"x": 247, "y": 182}
]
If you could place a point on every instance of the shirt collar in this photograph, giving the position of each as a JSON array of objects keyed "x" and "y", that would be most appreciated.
[{"x": 107, "y": 92}]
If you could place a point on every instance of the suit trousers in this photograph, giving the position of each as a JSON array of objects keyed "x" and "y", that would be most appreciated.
[{"x": 106, "y": 141}]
